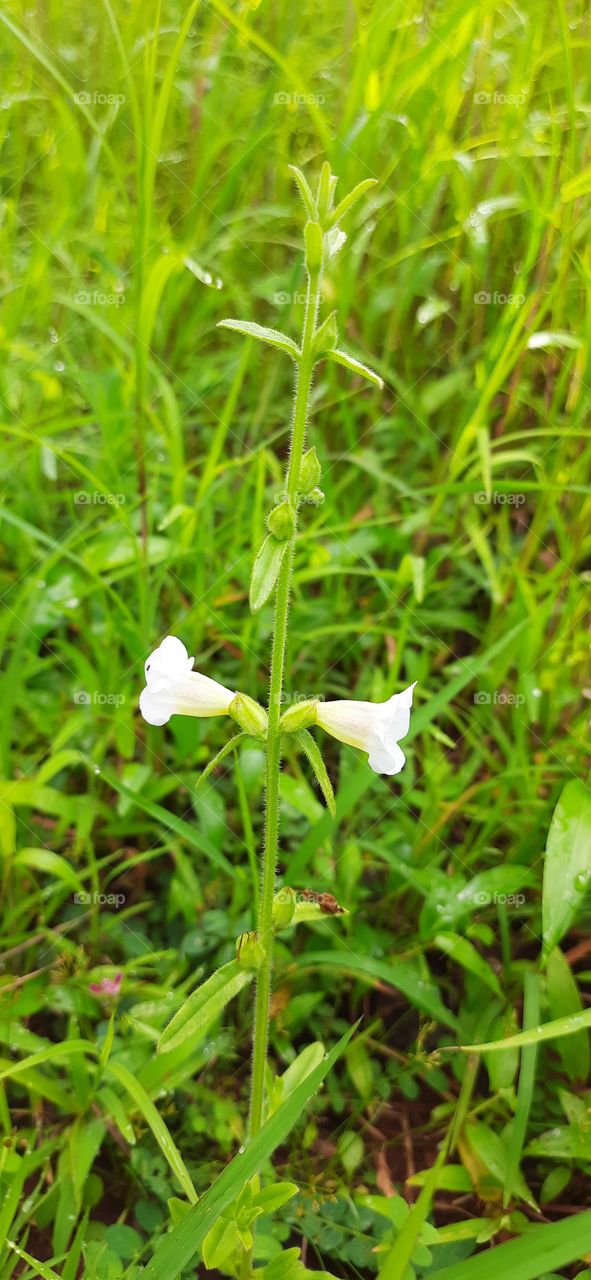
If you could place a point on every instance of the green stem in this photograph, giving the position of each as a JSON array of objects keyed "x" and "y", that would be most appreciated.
[{"x": 283, "y": 592}]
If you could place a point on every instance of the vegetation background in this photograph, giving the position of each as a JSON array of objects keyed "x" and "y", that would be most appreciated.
[{"x": 145, "y": 196}]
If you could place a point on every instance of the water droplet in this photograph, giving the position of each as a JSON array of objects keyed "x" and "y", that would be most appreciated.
[
  {"x": 53, "y": 337},
  {"x": 97, "y": 770},
  {"x": 536, "y": 693}
]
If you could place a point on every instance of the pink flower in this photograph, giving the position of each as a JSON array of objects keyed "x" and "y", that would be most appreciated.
[{"x": 107, "y": 986}]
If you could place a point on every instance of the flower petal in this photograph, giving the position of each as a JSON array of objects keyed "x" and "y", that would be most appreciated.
[
  {"x": 374, "y": 727},
  {"x": 169, "y": 659},
  {"x": 192, "y": 694}
]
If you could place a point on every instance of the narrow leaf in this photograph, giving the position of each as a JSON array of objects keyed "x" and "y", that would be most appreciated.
[
  {"x": 304, "y": 190},
  {"x": 400, "y": 974},
  {"x": 217, "y": 759},
  {"x": 465, "y": 954},
  {"x": 311, "y": 750},
  {"x": 527, "y": 1079},
  {"x": 349, "y": 362},
  {"x": 265, "y": 571},
  {"x": 547, "y": 1031},
  {"x": 348, "y": 201},
  {"x": 155, "y": 1122},
  {"x": 204, "y": 1004},
  {"x": 271, "y": 336},
  {"x": 564, "y": 999},
  {"x": 540, "y": 1249},
  {"x": 179, "y": 1247}
]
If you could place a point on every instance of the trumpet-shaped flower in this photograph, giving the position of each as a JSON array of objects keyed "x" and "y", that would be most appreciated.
[
  {"x": 173, "y": 688},
  {"x": 375, "y": 727}
]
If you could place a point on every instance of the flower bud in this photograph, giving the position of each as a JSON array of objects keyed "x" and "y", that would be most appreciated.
[
  {"x": 249, "y": 715},
  {"x": 281, "y": 522},
  {"x": 249, "y": 951},
  {"x": 310, "y": 472},
  {"x": 316, "y": 497},
  {"x": 284, "y": 904},
  {"x": 326, "y": 186},
  {"x": 300, "y": 716},
  {"x": 314, "y": 244}
]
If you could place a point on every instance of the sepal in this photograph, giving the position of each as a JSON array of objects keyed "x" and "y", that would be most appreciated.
[
  {"x": 249, "y": 714},
  {"x": 249, "y": 951},
  {"x": 300, "y": 716},
  {"x": 281, "y": 522},
  {"x": 310, "y": 472}
]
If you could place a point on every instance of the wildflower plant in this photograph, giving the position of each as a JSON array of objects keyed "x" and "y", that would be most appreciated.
[{"x": 173, "y": 687}]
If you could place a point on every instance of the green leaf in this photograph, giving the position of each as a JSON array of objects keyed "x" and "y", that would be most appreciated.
[
  {"x": 546, "y": 1031},
  {"x": 179, "y": 1247},
  {"x": 465, "y": 954},
  {"x": 304, "y": 190},
  {"x": 38, "y": 1268},
  {"x": 155, "y": 1122},
  {"x": 326, "y": 336},
  {"x": 51, "y": 863},
  {"x": 355, "y": 366},
  {"x": 204, "y": 1004},
  {"x": 259, "y": 331},
  {"x": 397, "y": 973},
  {"x": 567, "y": 867},
  {"x": 493, "y": 1154},
  {"x": 348, "y": 201},
  {"x": 311, "y": 750},
  {"x": 564, "y": 999},
  {"x": 275, "y": 1196},
  {"x": 527, "y": 1080},
  {"x": 217, "y": 759},
  {"x": 62, "y": 1050},
  {"x": 539, "y": 1250},
  {"x": 188, "y": 833},
  {"x": 265, "y": 571},
  {"x": 221, "y": 1240}
]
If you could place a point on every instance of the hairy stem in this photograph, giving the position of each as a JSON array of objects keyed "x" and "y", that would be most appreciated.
[{"x": 283, "y": 591}]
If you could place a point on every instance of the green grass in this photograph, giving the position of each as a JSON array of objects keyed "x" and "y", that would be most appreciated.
[{"x": 452, "y": 549}]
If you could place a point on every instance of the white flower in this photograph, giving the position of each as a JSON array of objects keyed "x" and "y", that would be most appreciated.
[
  {"x": 173, "y": 688},
  {"x": 334, "y": 241},
  {"x": 375, "y": 727}
]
